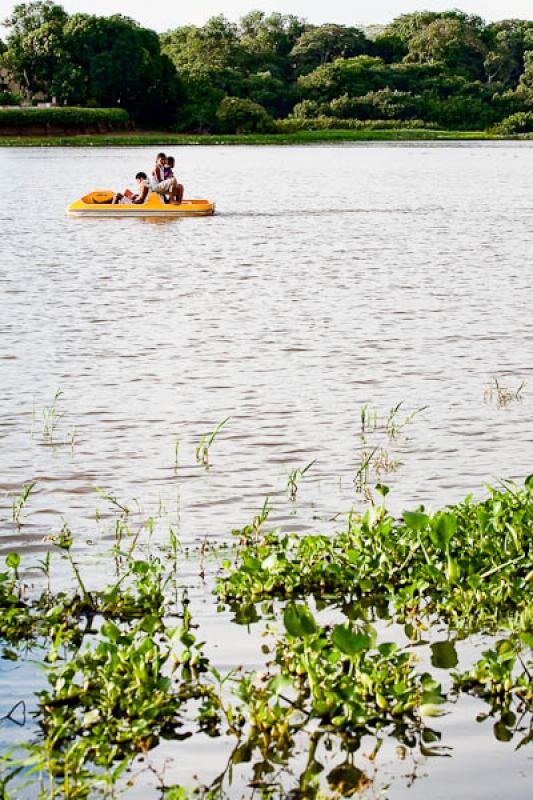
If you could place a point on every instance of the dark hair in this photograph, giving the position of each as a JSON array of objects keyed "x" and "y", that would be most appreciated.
[
  {"x": 160, "y": 155},
  {"x": 140, "y": 176},
  {"x": 171, "y": 161}
]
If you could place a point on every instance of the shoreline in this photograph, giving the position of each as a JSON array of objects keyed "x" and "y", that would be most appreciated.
[{"x": 143, "y": 139}]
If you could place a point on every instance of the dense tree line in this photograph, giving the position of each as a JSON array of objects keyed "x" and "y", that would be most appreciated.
[
  {"x": 87, "y": 60},
  {"x": 449, "y": 69}
]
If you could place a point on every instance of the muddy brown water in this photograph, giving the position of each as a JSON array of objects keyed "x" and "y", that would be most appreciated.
[{"x": 330, "y": 278}]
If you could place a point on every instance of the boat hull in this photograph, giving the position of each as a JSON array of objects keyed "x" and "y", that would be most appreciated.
[{"x": 98, "y": 204}]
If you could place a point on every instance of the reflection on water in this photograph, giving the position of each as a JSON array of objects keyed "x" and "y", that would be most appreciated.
[{"x": 330, "y": 278}]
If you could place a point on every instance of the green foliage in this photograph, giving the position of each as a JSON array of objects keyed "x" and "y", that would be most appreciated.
[
  {"x": 126, "y": 667},
  {"x": 323, "y": 123},
  {"x": 451, "y": 41},
  {"x": 325, "y": 43},
  {"x": 521, "y": 122},
  {"x": 237, "y": 115},
  {"x": 444, "y": 68},
  {"x": 121, "y": 64},
  {"x": 470, "y": 564},
  {"x": 9, "y": 98},
  {"x": 89, "y": 60},
  {"x": 35, "y": 50},
  {"x": 508, "y": 41},
  {"x": 64, "y": 118}
]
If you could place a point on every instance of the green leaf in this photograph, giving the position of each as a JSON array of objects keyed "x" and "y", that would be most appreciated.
[
  {"x": 110, "y": 631},
  {"x": 387, "y": 648},
  {"x": 347, "y": 780},
  {"x": 502, "y": 733},
  {"x": 299, "y": 621},
  {"x": 13, "y": 560},
  {"x": 453, "y": 571},
  {"x": 443, "y": 655},
  {"x": 443, "y": 529},
  {"x": 270, "y": 562},
  {"x": 430, "y": 710},
  {"x": 348, "y": 641},
  {"x": 280, "y": 683},
  {"x": 90, "y": 718},
  {"x": 416, "y": 520}
]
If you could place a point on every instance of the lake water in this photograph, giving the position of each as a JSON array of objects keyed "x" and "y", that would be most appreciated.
[{"x": 330, "y": 278}]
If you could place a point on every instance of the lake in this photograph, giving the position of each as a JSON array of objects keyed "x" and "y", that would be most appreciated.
[{"x": 330, "y": 279}]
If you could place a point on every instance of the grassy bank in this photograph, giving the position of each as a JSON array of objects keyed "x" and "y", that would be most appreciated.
[{"x": 159, "y": 138}]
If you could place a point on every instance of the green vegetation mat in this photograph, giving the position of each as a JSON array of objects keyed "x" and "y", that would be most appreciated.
[
  {"x": 345, "y": 617},
  {"x": 302, "y": 137}
]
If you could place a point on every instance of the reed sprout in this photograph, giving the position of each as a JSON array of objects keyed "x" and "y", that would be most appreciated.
[
  {"x": 206, "y": 441},
  {"x": 52, "y": 416},
  {"x": 376, "y": 434},
  {"x": 20, "y": 501},
  {"x": 294, "y": 477},
  {"x": 503, "y": 395},
  {"x": 111, "y": 498}
]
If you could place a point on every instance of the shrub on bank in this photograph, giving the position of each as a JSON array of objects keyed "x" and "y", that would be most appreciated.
[
  {"x": 9, "y": 99},
  {"x": 64, "y": 118},
  {"x": 521, "y": 122},
  {"x": 240, "y": 115},
  {"x": 294, "y": 125}
]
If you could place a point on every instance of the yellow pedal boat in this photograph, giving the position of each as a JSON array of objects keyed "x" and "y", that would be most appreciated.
[{"x": 99, "y": 204}]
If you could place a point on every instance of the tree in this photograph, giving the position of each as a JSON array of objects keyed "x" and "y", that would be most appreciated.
[
  {"x": 325, "y": 43},
  {"x": 354, "y": 76},
  {"x": 268, "y": 40},
  {"x": 407, "y": 26},
  {"x": 35, "y": 45},
  {"x": 89, "y": 60},
  {"x": 451, "y": 41},
  {"x": 388, "y": 46},
  {"x": 209, "y": 63},
  {"x": 122, "y": 65},
  {"x": 507, "y": 41},
  {"x": 212, "y": 47},
  {"x": 275, "y": 95}
]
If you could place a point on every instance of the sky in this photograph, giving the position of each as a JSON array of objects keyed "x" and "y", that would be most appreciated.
[{"x": 165, "y": 14}]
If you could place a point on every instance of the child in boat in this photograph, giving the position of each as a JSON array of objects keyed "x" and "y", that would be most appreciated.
[
  {"x": 169, "y": 173},
  {"x": 127, "y": 197},
  {"x": 169, "y": 167}
]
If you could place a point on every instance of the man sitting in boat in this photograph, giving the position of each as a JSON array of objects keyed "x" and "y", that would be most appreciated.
[
  {"x": 128, "y": 196},
  {"x": 166, "y": 187}
]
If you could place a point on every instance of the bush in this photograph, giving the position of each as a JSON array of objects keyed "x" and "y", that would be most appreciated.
[
  {"x": 459, "y": 112},
  {"x": 63, "y": 118},
  {"x": 294, "y": 125},
  {"x": 521, "y": 122},
  {"x": 238, "y": 115},
  {"x": 383, "y": 104},
  {"x": 9, "y": 99}
]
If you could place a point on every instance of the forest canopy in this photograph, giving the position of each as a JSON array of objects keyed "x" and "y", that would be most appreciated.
[{"x": 446, "y": 69}]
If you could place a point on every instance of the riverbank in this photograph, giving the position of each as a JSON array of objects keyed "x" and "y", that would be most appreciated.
[{"x": 159, "y": 138}]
